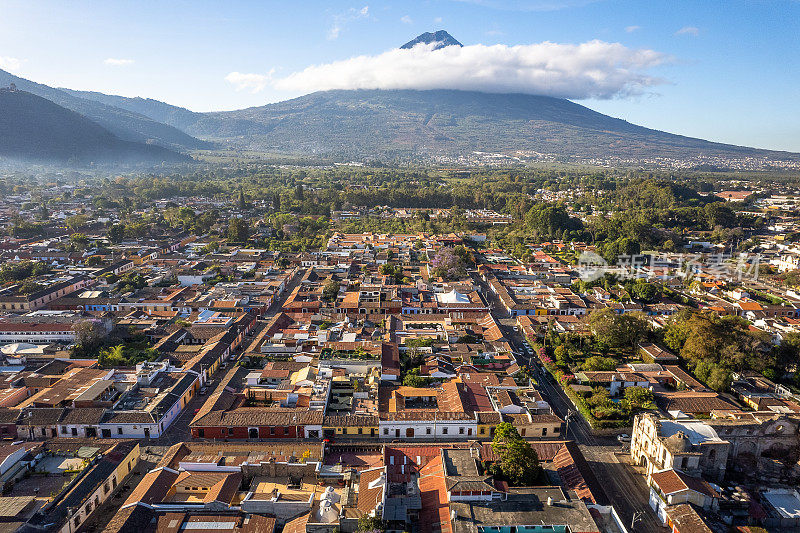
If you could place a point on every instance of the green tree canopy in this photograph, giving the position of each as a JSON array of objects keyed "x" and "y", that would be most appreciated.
[{"x": 516, "y": 460}]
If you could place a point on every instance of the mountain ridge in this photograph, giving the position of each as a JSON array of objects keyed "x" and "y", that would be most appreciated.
[
  {"x": 125, "y": 124},
  {"x": 440, "y": 37},
  {"x": 38, "y": 129},
  {"x": 446, "y": 123},
  {"x": 419, "y": 125}
]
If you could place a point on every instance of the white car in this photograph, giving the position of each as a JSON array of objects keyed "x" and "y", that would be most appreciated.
[{"x": 624, "y": 437}]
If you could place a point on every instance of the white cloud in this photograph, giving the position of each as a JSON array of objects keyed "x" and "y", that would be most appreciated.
[
  {"x": 10, "y": 63},
  {"x": 115, "y": 62},
  {"x": 405, "y": 19},
  {"x": 252, "y": 82},
  {"x": 437, "y": 20},
  {"x": 688, "y": 30},
  {"x": 334, "y": 31},
  {"x": 342, "y": 19},
  {"x": 631, "y": 29},
  {"x": 595, "y": 69}
]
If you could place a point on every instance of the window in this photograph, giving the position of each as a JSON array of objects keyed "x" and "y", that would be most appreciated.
[
  {"x": 63, "y": 429},
  {"x": 77, "y": 521},
  {"x": 460, "y": 431},
  {"x": 230, "y": 431},
  {"x": 444, "y": 431},
  {"x": 385, "y": 431},
  {"x": 360, "y": 431},
  {"x": 106, "y": 488},
  {"x": 119, "y": 431},
  {"x": 427, "y": 431},
  {"x": 544, "y": 432},
  {"x": 483, "y": 431},
  {"x": 74, "y": 432},
  {"x": 201, "y": 433}
]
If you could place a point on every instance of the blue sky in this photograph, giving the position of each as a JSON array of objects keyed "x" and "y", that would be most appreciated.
[{"x": 723, "y": 70}]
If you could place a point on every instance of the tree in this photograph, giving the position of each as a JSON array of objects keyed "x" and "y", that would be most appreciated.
[
  {"x": 371, "y": 524},
  {"x": 330, "y": 291},
  {"x": 624, "y": 246},
  {"x": 116, "y": 233},
  {"x": 516, "y": 460},
  {"x": 30, "y": 287},
  {"x": 719, "y": 214},
  {"x": 600, "y": 397},
  {"x": 713, "y": 347},
  {"x": 615, "y": 330},
  {"x": 76, "y": 221},
  {"x": 393, "y": 271},
  {"x": 597, "y": 363},
  {"x": 242, "y": 202},
  {"x": 550, "y": 221},
  {"x": 112, "y": 357},
  {"x": 238, "y": 230},
  {"x": 561, "y": 354},
  {"x": 638, "y": 397},
  {"x": 89, "y": 335},
  {"x": 647, "y": 292},
  {"x": 447, "y": 264}
]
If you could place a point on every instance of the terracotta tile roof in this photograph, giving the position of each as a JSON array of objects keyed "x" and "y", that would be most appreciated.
[
  {"x": 298, "y": 525},
  {"x": 435, "y": 512},
  {"x": 686, "y": 519},
  {"x": 750, "y": 306},
  {"x": 568, "y": 465},
  {"x": 131, "y": 519},
  {"x": 370, "y": 497},
  {"x": 692, "y": 402},
  {"x": 153, "y": 486},
  {"x": 672, "y": 481},
  {"x": 258, "y": 416}
]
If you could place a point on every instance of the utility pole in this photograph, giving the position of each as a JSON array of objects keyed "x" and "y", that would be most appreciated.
[
  {"x": 636, "y": 517},
  {"x": 569, "y": 416}
]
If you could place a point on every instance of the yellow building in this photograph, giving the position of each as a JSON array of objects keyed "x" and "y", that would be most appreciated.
[{"x": 350, "y": 426}]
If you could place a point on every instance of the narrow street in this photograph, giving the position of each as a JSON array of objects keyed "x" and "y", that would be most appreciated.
[
  {"x": 178, "y": 431},
  {"x": 621, "y": 485}
]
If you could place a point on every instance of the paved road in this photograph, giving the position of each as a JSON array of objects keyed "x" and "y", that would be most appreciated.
[
  {"x": 622, "y": 486},
  {"x": 178, "y": 431}
]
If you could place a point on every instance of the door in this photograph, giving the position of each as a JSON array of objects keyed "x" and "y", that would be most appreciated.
[
  {"x": 397, "y": 433},
  {"x": 147, "y": 433},
  {"x": 106, "y": 433},
  {"x": 410, "y": 432},
  {"x": 252, "y": 433}
]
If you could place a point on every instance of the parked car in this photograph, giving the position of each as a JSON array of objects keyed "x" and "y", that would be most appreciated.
[{"x": 624, "y": 437}]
